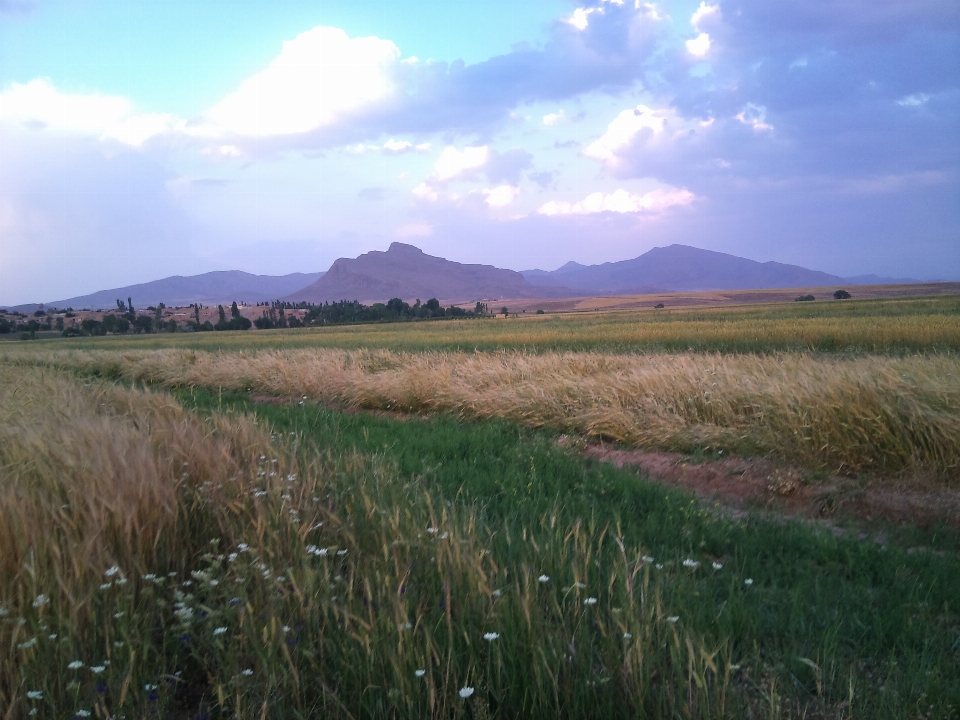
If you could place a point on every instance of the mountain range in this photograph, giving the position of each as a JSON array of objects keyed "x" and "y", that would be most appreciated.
[
  {"x": 212, "y": 288},
  {"x": 407, "y": 272}
]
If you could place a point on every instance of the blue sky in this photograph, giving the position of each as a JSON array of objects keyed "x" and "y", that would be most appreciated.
[{"x": 144, "y": 139}]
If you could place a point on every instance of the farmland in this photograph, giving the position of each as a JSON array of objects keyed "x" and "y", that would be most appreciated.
[{"x": 381, "y": 521}]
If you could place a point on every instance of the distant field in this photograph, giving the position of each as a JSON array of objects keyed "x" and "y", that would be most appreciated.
[{"x": 869, "y": 326}]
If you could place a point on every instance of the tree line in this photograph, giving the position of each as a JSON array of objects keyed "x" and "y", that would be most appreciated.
[{"x": 274, "y": 315}]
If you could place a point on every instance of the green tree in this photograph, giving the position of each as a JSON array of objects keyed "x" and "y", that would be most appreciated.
[
  {"x": 234, "y": 310},
  {"x": 841, "y": 295},
  {"x": 158, "y": 315}
]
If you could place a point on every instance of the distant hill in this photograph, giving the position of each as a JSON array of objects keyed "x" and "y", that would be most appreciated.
[
  {"x": 678, "y": 268},
  {"x": 218, "y": 287},
  {"x": 406, "y": 272}
]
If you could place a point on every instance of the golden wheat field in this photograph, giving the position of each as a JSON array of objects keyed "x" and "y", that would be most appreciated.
[{"x": 848, "y": 415}]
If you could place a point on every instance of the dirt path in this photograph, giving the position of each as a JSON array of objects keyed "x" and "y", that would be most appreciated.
[{"x": 757, "y": 483}]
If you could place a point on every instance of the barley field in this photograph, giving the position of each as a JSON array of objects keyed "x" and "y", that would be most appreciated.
[
  {"x": 847, "y": 415},
  {"x": 213, "y": 525},
  {"x": 163, "y": 560}
]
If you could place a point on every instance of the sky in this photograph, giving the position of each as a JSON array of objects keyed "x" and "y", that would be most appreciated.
[{"x": 146, "y": 138}]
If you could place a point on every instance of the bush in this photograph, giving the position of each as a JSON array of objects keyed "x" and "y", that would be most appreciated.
[
  {"x": 539, "y": 312},
  {"x": 5, "y": 326},
  {"x": 805, "y": 298},
  {"x": 658, "y": 306},
  {"x": 841, "y": 295}
]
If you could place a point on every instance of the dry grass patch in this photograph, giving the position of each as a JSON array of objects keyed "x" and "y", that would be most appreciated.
[{"x": 878, "y": 415}]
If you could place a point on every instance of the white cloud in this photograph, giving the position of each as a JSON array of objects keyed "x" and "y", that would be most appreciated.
[
  {"x": 704, "y": 12},
  {"x": 501, "y": 196},
  {"x": 622, "y": 130},
  {"x": 554, "y": 118},
  {"x": 391, "y": 147},
  {"x": 699, "y": 46},
  {"x": 913, "y": 100},
  {"x": 426, "y": 192},
  {"x": 397, "y": 146},
  {"x": 701, "y": 18},
  {"x": 620, "y": 201},
  {"x": 319, "y": 77},
  {"x": 755, "y": 116},
  {"x": 453, "y": 162},
  {"x": 41, "y": 105},
  {"x": 580, "y": 18}
]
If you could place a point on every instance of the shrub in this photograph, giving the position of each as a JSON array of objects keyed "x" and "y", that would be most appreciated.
[
  {"x": 841, "y": 295},
  {"x": 805, "y": 298}
]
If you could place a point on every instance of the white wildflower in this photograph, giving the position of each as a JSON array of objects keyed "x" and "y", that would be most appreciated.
[
  {"x": 41, "y": 600},
  {"x": 110, "y": 572},
  {"x": 219, "y": 631},
  {"x": 748, "y": 581},
  {"x": 647, "y": 559},
  {"x": 590, "y": 601},
  {"x": 490, "y": 636},
  {"x": 734, "y": 667},
  {"x": 342, "y": 552},
  {"x": 420, "y": 673},
  {"x": 673, "y": 618},
  {"x": 28, "y": 644},
  {"x": 432, "y": 530},
  {"x": 544, "y": 578},
  {"x": 627, "y": 636},
  {"x": 52, "y": 636},
  {"x": 717, "y": 566},
  {"x": 466, "y": 692},
  {"x": 497, "y": 593},
  {"x": 82, "y": 713},
  {"x": 104, "y": 586},
  {"x": 75, "y": 665},
  {"x": 35, "y": 694},
  {"x": 690, "y": 563},
  {"x": 248, "y": 672},
  {"x": 97, "y": 669}
]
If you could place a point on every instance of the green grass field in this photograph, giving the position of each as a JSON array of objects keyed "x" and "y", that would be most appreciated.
[{"x": 171, "y": 547}]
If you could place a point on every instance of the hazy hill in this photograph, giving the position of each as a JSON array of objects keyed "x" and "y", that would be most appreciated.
[
  {"x": 679, "y": 268},
  {"x": 406, "y": 272},
  {"x": 222, "y": 286}
]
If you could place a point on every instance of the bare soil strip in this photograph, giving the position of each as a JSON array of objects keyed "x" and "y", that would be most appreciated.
[{"x": 752, "y": 483}]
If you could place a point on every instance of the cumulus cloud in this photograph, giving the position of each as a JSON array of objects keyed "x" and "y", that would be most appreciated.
[
  {"x": 580, "y": 18},
  {"x": 754, "y": 116},
  {"x": 501, "y": 196},
  {"x": 699, "y": 46},
  {"x": 622, "y": 130},
  {"x": 38, "y": 104},
  {"x": 320, "y": 77},
  {"x": 453, "y": 163},
  {"x": 553, "y": 118},
  {"x": 620, "y": 201}
]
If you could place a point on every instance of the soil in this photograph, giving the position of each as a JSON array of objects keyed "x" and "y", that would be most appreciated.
[{"x": 759, "y": 483}]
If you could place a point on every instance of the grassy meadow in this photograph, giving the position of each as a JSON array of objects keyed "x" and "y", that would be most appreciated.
[{"x": 173, "y": 545}]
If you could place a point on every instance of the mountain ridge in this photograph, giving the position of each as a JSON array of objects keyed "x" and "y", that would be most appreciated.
[
  {"x": 212, "y": 288},
  {"x": 407, "y": 272}
]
